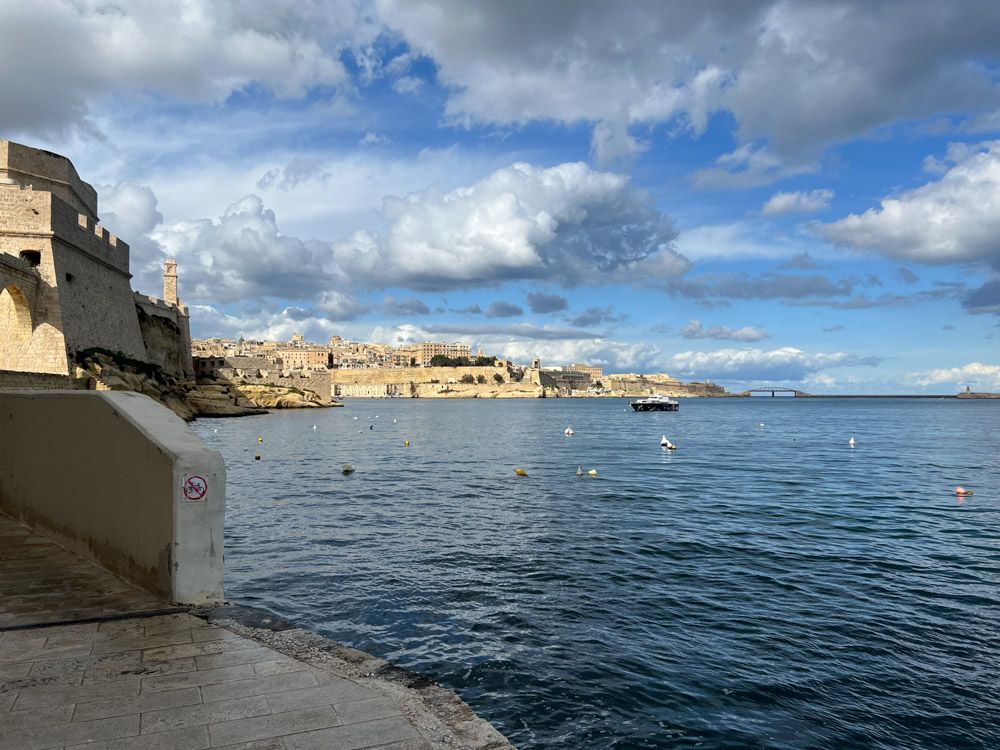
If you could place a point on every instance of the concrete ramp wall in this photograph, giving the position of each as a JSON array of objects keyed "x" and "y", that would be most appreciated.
[{"x": 118, "y": 478}]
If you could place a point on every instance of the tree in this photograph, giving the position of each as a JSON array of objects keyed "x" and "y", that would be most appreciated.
[
  {"x": 485, "y": 361},
  {"x": 467, "y": 379},
  {"x": 440, "y": 360},
  {"x": 480, "y": 378},
  {"x": 497, "y": 378},
  {"x": 598, "y": 384}
]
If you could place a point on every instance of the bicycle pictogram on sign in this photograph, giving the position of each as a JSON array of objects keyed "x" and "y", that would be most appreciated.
[{"x": 195, "y": 489}]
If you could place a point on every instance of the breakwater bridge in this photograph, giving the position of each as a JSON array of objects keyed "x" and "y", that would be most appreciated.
[{"x": 774, "y": 390}]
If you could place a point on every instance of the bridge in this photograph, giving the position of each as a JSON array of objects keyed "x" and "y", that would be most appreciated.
[{"x": 773, "y": 389}]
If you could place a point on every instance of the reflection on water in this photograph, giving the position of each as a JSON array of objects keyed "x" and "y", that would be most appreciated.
[{"x": 761, "y": 586}]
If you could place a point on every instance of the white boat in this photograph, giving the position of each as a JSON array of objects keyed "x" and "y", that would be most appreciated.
[{"x": 656, "y": 403}]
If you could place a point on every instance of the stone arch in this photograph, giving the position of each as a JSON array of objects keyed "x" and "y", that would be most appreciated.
[{"x": 16, "y": 325}]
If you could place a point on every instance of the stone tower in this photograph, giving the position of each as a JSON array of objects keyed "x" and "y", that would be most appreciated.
[{"x": 170, "y": 282}]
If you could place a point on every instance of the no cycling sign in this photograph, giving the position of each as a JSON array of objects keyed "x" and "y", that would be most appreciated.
[{"x": 195, "y": 489}]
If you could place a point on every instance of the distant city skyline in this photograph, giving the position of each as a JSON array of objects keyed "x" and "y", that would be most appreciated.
[{"x": 763, "y": 192}]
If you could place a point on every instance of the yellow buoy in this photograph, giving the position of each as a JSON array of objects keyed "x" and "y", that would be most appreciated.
[
  {"x": 260, "y": 440},
  {"x": 592, "y": 472},
  {"x": 406, "y": 443},
  {"x": 520, "y": 472}
]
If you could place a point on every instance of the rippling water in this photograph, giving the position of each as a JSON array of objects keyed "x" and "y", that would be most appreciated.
[{"x": 759, "y": 587}]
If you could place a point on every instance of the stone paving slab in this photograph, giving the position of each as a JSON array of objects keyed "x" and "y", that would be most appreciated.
[{"x": 148, "y": 680}]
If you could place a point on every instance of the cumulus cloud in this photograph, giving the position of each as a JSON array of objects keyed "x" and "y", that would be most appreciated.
[
  {"x": 131, "y": 212},
  {"x": 546, "y": 303},
  {"x": 242, "y": 256},
  {"x": 953, "y": 219},
  {"x": 695, "y": 330},
  {"x": 564, "y": 223},
  {"x": 980, "y": 376},
  {"x": 786, "y": 203},
  {"x": 202, "y": 53},
  {"x": 783, "y": 364},
  {"x": 499, "y": 309}
]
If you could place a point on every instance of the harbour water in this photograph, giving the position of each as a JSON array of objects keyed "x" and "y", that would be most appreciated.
[{"x": 764, "y": 586}]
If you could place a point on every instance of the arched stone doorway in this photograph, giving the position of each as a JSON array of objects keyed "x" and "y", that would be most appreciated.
[{"x": 15, "y": 328}]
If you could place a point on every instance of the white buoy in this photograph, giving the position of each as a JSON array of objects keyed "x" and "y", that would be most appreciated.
[
  {"x": 394, "y": 421},
  {"x": 851, "y": 441},
  {"x": 665, "y": 443},
  {"x": 314, "y": 427},
  {"x": 355, "y": 417},
  {"x": 762, "y": 425},
  {"x": 579, "y": 471},
  {"x": 568, "y": 432},
  {"x": 216, "y": 429}
]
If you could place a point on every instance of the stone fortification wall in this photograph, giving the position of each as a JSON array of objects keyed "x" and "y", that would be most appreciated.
[
  {"x": 138, "y": 492},
  {"x": 166, "y": 334},
  {"x": 317, "y": 382},
  {"x": 407, "y": 375},
  {"x": 49, "y": 172},
  {"x": 35, "y": 381},
  {"x": 84, "y": 295}
]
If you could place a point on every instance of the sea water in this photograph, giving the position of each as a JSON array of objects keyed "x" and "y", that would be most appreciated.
[{"x": 764, "y": 585}]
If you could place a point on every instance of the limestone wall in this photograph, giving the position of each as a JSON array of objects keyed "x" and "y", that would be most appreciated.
[
  {"x": 406, "y": 375},
  {"x": 119, "y": 479},
  {"x": 317, "y": 382},
  {"x": 166, "y": 335},
  {"x": 47, "y": 171},
  {"x": 37, "y": 381}
]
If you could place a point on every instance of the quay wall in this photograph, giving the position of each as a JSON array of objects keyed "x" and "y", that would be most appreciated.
[{"x": 117, "y": 478}]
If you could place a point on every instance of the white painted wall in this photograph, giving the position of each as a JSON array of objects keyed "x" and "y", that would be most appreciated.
[{"x": 111, "y": 476}]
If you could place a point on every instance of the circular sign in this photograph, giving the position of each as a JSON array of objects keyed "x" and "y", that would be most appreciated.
[{"x": 195, "y": 488}]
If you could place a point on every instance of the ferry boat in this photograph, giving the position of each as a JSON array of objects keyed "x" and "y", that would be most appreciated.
[{"x": 656, "y": 403}]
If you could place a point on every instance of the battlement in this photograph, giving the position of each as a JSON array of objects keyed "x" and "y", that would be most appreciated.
[
  {"x": 148, "y": 299},
  {"x": 49, "y": 172}
]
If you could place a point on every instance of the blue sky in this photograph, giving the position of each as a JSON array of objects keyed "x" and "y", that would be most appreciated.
[{"x": 763, "y": 192}]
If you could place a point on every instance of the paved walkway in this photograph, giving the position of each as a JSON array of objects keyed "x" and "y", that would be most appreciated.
[{"x": 130, "y": 679}]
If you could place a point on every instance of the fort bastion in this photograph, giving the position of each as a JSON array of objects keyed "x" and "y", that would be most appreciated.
[{"x": 65, "y": 284}]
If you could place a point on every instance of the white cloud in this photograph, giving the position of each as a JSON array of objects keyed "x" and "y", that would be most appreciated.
[
  {"x": 951, "y": 220},
  {"x": 243, "y": 256},
  {"x": 783, "y": 364},
  {"x": 795, "y": 75},
  {"x": 786, "y": 203},
  {"x": 749, "y": 166},
  {"x": 566, "y": 223},
  {"x": 407, "y": 85},
  {"x": 611, "y": 142},
  {"x": 371, "y": 138},
  {"x": 981, "y": 377},
  {"x": 739, "y": 239},
  {"x": 695, "y": 330},
  {"x": 198, "y": 51}
]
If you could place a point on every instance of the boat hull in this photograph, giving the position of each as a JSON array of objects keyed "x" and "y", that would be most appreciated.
[{"x": 655, "y": 407}]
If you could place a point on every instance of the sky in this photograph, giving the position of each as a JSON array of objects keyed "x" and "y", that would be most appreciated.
[{"x": 760, "y": 193}]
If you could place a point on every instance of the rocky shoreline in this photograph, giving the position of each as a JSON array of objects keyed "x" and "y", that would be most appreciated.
[{"x": 106, "y": 371}]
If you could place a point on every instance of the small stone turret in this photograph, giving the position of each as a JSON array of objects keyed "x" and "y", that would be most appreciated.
[{"x": 170, "y": 282}]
